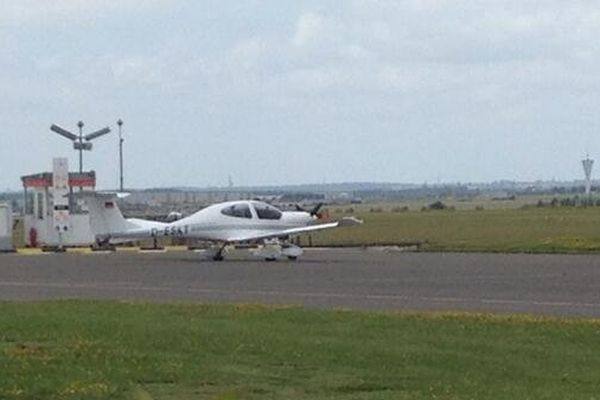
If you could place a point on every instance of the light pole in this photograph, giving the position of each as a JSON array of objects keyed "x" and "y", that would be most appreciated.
[
  {"x": 121, "y": 140},
  {"x": 80, "y": 126}
]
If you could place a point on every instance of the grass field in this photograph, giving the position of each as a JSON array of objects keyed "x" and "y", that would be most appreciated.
[
  {"x": 496, "y": 230},
  {"x": 109, "y": 350}
]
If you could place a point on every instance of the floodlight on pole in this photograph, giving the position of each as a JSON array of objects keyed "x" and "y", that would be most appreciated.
[{"x": 80, "y": 142}]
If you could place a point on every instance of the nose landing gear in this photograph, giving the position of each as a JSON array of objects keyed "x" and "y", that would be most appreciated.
[{"x": 274, "y": 251}]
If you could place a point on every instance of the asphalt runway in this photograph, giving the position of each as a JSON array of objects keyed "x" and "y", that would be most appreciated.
[{"x": 558, "y": 285}]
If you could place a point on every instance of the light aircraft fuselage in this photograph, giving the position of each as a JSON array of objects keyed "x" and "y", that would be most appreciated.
[{"x": 225, "y": 223}]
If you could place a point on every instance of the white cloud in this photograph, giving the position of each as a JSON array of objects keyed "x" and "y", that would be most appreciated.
[
  {"x": 309, "y": 29},
  {"x": 43, "y": 11},
  {"x": 247, "y": 53},
  {"x": 140, "y": 69},
  {"x": 367, "y": 67}
]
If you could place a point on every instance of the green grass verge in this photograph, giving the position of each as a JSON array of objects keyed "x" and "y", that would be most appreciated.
[
  {"x": 544, "y": 230},
  {"x": 102, "y": 350}
]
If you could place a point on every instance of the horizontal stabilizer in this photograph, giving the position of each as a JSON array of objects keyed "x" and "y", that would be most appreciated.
[{"x": 99, "y": 195}]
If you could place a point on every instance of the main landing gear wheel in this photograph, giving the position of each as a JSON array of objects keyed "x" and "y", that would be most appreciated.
[
  {"x": 293, "y": 258},
  {"x": 219, "y": 254},
  {"x": 270, "y": 259}
]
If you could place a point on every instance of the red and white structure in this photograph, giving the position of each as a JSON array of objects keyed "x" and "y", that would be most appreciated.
[{"x": 53, "y": 217}]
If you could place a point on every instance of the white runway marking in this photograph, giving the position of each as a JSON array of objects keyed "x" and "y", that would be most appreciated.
[{"x": 125, "y": 286}]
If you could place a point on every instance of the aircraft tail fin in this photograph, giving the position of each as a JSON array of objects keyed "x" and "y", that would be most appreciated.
[{"x": 105, "y": 216}]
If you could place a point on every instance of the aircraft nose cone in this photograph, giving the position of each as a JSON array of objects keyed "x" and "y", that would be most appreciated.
[{"x": 299, "y": 218}]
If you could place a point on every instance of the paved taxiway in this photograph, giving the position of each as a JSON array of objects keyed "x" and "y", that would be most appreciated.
[{"x": 563, "y": 285}]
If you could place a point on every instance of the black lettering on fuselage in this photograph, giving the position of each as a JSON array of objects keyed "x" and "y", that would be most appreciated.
[{"x": 175, "y": 231}]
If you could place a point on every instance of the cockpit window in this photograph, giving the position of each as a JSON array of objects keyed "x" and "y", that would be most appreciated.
[
  {"x": 241, "y": 210},
  {"x": 265, "y": 211}
]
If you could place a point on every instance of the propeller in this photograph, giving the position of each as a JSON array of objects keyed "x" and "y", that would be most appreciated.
[{"x": 314, "y": 212}]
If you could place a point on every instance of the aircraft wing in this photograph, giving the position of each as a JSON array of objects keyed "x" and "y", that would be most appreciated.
[{"x": 294, "y": 231}]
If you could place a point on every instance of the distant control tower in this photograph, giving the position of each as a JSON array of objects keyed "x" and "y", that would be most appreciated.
[{"x": 587, "y": 169}]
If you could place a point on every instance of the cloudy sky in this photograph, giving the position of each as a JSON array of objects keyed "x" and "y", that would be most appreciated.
[{"x": 274, "y": 92}]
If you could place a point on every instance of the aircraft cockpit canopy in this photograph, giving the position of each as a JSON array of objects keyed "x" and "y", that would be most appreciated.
[
  {"x": 239, "y": 210},
  {"x": 242, "y": 210},
  {"x": 265, "y": 211}
]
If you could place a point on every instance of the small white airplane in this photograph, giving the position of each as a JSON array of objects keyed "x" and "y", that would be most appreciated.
[{"x": 223, "y": 223}]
